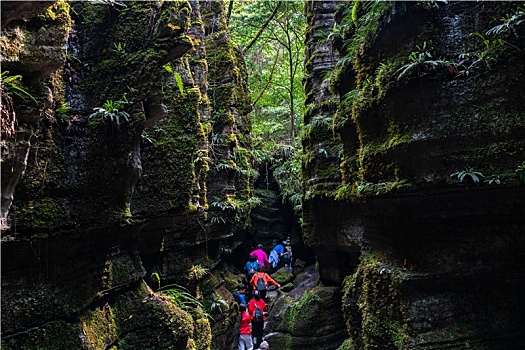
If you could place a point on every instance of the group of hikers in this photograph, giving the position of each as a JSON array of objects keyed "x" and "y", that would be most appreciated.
[{"x": 252, "y": 296}]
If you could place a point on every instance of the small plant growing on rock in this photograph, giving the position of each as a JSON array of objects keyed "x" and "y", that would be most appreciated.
[
  {"x": 420, "y": 60},
  {"x": 10, "y": 86},
  {"x": 112, "y": 111},
  {"x": 196, "y": 272},
  {"x": 493, "y": 181},
  {"x": 176, "y": 76},
  {"x": 468, "y": 175},
  {"x": 155, "y": 276},
  {"x": 62, "y": 110},
  {"x": 509, "y": 23},
  {"x": 180, "y": 296},
  {"x": 119, "y": 48},
  {"x": 218, "y": 304}
]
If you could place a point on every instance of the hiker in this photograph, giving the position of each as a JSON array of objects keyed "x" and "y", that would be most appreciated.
[
  {"x": 262, "y": 258},
  {"x": 245, "y": 337},
  {"x": 260, "y": 282},
  {"x": 275, "y": 256},
  {"x": 264, "y": 346},
  {"x": 239, "y": 295},
  {"x": 258, "y": 309},
  {"x": 286, "y": 258},
  {"x": 251, "y": 267}
]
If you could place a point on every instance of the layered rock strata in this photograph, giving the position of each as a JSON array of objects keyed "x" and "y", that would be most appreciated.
[
  {"x": 428, "y": 218},
  {"x": 105, "y": 173}
]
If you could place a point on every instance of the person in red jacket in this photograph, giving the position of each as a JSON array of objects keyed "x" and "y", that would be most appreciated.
[
  {"x": 262, "y": 287},
  {"x": 257, "y": 327},
  {"x": 245, "y": 337}
]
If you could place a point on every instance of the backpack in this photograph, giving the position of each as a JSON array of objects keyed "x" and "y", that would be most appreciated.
[
  {"x": 236, "y": 297},
  {"x": 252, "y": 270},
  {"x": 260, "y": 283},
  {"x": 257, "y": 315}
]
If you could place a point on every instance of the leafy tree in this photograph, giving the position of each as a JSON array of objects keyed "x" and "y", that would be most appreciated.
[{"x": 272, "y": 34}]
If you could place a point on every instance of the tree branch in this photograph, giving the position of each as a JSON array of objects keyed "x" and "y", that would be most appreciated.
[
  {"x": 265, "y": 24},
  {"x": 228, "y": 16},
  {"x": 269, "y": 78}
]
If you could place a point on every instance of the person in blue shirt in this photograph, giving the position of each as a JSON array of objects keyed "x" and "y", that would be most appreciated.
[
  {"x": 276, "y": 254},
  {"x": 251, "y": 267},
  {"x": 239, "y": 294}
]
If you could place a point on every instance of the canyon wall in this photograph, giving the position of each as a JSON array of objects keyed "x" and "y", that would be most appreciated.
[
  {"x": 413, "y": 199},
  {"x": 124, "y": 169}
]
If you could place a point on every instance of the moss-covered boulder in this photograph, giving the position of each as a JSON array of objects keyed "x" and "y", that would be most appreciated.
[{"x": 307, "y": 316}]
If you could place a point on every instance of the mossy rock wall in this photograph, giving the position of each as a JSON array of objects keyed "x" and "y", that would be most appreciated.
[
  {"x": 417, "y": 111},
  {"x": 420, "y": 112},
  {"x": 322, "y": 145},
  {"x": 98, "y": 204},
  {"x": 89, "y": 296}
]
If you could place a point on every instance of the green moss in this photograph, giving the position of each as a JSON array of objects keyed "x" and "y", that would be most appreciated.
[
  {"x": 319, "y": 128},
  {"x": 372, "y": 305},
  {"x": 299, "y": 314},
  {"x": 175, "y": 14},
  {"x": 145, "y": 321},
  {"x": 91, "y": 13},
  {"x": 118, "y": 272},
  {"x": 58, "y": 12},
  {"x": 43, "y": 214},
  {"x": 331, "y": 172},
  {"x": 54, "y": 335},
  {"x": 173, "y": 154},
  {"x": 99, "y": 327},
  {"x": 282, "y": 277},
  {"x": 348, "y": 344},
  {"x": 479, "y": 121},
  {"x": 132, "y": 67},
  {"x": 457, "y": 335},
  {"x": 203, "y": 335}
]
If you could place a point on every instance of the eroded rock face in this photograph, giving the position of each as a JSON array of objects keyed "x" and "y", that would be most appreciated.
[
  {"x": 432, "y": 259},
  {"x": 34, "y": 52},
  {"x": 17, "y": 10},
  {"x": 112, "y": 201}
]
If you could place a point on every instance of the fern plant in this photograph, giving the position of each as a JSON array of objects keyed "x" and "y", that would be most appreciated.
[
  {"x": 510, "y": 22},
  {"x": 180, "y": 296},
  {"x": 176, "y": 76},
  {"x": 11, "y": 85},
  {"x": 419, "y": 60},
  {"x": 62, "y": 110},
  {"x": 112, "y": 111},
  {"x": 218, "y": 304},
  {"x": 468, "y": 175},
  {"x": 218, "y": 219},
  {"x": 196, "y": 272}
]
